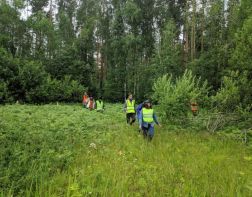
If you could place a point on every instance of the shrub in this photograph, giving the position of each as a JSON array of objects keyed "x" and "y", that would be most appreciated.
[
  {"x": 66, "y": 90},
  {"x": 3, "y": 92},
  {"x": 28, "y": 81},
  {"x": 234, "y": 93},
  {"x": 174, "y": 96},
  {"x": 31, "y": 76},
  {"x": 228, "y": 97}
]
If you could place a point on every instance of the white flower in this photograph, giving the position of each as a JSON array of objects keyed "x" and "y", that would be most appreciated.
[{"x": 93, "y": 145}]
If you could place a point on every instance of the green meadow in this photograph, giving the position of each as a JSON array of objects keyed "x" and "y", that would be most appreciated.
[{"x": 65, "y": 150}]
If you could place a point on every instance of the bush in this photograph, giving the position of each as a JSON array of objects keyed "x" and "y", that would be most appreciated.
[
  {"x": 66, "y": 90},
  {"x": 228, "y": 96},
  {"x": 28, "y": 81},
  {"x": 31, "y": 76},
  {"x": 3, "y": 92},
  {"x": 234, "y": 93},
  {"x": 174, "y": 96}
]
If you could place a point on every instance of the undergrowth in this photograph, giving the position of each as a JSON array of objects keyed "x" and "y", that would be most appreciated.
[{"x": 65, "y": 150}]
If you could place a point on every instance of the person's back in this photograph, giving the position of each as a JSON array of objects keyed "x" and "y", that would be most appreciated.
[
  {"x": 91, "y": 103},
  {"x": 147, "y": 119},
  {"x": 99, "y": 105},
  {"x": 85, "y": 99},
  {"x": 129, "y": 108}
]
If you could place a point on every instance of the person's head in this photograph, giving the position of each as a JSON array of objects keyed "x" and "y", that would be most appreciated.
[
  {"x": 147, "y": 104},
  {"x": 85, "y": 93},
  {"x": 130, "y": 96}
]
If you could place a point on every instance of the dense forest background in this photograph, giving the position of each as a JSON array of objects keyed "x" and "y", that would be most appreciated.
[{"x": 53, "y": 50}]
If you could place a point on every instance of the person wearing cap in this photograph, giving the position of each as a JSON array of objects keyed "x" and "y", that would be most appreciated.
[
  {"x": 147, "y": 120},
  {"x": 129, "y": 108}
]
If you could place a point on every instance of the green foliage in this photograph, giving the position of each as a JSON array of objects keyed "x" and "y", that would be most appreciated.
[
  {"x": 233, "y": 93},
  {"x": 167, "y": 58},
  {"x": 174, "y": 97},
  {"x": 132, "y": 13},
  {"x": 104, "y": 45},
  {"x": 3, "y": 92},
  {"x": 31, "y": 75},
  {"x": 65, "y": 150},
  {"x": 241, "y": 55},
  {"x": 66, "y": 90},
  {"x": 28, "y": 81},
  {"x": 227, "y": 98},
  {"x": 36, "y": 144},
  {"x": 69, "y": 63}
]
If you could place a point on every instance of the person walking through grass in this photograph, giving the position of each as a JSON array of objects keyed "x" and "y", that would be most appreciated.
[
  {"x": 129, "y": 108},
  {"x": 91, "y": 103},
  {"x": 147, "y": 120},
  {"x": 99, "y": 105},
  {"x": 85, "y": 100}
]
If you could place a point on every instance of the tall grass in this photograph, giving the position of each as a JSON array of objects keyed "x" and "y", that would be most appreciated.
[{"x": 99, "y": 155}]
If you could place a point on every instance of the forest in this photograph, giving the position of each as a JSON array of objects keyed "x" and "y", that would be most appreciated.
[
  {"x": 51, "y": 50},
  {"x": 172, "y": 52}
]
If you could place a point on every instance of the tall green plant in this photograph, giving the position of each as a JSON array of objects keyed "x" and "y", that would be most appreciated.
[
  {"x": 234, "y": 92},
  {"x": 174, "y": 96}
]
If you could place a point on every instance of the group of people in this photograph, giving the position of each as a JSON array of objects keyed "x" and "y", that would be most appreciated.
[
  {"x": 145, "y": 115},
  {"x": 90, "y": 103}
]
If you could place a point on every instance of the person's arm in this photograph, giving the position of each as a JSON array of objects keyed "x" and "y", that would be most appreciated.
[
  {"x": 155, "y": 119},
  {"x": 140, "y": 119}
]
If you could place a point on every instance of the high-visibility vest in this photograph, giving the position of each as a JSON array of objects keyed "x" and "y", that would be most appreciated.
[
  {"x": 99, "y": 105},
  {"x": 130, "y": 106},
  {"x": 148, "y": 115}
]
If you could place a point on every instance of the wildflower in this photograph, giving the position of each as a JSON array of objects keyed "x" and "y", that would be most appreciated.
[{"x": 93, "y": 145}]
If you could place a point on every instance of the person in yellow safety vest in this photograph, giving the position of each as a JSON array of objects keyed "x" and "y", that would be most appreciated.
[
  {"x": 147, "y": 120},
  {"x": 129, "y": 108},
  {"x": 99, "y": 105}
]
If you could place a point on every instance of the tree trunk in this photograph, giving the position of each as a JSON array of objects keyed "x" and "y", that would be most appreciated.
[
  {"x": 193, "y": 30},
  {"x": 185, "y": 35},
  {"x": 203, "y": 25}
]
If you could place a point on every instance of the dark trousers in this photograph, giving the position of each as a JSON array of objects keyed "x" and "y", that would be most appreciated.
[{"x": 131, "y": 118}]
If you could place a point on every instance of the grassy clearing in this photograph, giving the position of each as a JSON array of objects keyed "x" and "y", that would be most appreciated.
[{"x": 68, "y": 151}]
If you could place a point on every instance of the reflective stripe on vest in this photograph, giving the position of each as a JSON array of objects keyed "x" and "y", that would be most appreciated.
[
  {"x": 99, "y": 105},
  {"x": 130, "y": 106},
  {"x": 148, "y": 115}
]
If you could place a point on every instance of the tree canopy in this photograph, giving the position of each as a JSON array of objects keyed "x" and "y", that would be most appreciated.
[{"x": 106, "y": 46}]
